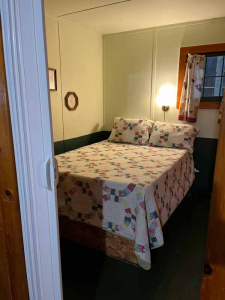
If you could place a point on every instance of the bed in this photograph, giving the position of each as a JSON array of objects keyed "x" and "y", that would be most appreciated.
[{"x": 116, "y": 197}]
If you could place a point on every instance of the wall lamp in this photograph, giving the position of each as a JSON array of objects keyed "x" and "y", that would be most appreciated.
[
  {"x": 165, "y": 108},
  {"x": 166, "y": 98}
]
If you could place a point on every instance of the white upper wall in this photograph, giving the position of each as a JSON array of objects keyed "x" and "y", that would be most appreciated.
[
  {"x": 139, "y": 66},
  {"x": 127, "y": 76},
  {"x": 81, "y": 72},
  {"x": 127, "y": 50},
  {"x": 76, "y": 53},
  {"x": 168, "y": 44}
]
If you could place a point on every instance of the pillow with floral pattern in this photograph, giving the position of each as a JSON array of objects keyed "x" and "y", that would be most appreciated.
[
  {"x": 174, "y": 135},
  {"x": 132, "y": 131}
]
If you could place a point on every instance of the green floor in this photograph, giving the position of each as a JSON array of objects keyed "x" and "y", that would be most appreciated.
[{"x": 176, "y": 267}]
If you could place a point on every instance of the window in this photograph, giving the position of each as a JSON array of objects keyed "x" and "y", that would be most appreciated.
[{"x": 214, "y": 75}]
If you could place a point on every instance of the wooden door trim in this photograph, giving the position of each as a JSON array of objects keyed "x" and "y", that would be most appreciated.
[
  {"x": 213, "y": 285},
  {"x": 13, "y": 279},
  {"x": 28, "y": 91}
]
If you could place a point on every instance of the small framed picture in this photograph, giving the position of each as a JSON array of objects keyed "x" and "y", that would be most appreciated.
[
  {"x": 71, "y": 101},
  {"x": 52, "y": 79}
]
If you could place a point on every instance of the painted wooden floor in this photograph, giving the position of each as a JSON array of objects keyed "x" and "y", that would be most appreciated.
[{"x": 176, "y": 268}]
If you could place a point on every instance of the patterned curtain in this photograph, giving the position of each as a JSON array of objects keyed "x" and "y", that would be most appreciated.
[
  {"x": 192, "y": 88},
  {"x": 220, "y": 111}
]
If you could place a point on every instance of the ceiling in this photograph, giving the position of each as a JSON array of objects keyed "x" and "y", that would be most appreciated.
[
  {"x": 57, "y": 8},
  {"x": 111, "y": 16}
]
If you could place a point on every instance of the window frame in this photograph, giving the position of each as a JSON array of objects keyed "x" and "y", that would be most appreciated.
[
  {"x": 214, "y": 98},
  {"x": 203, "y": 49}
]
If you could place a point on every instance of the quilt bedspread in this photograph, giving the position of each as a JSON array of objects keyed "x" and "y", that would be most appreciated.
[{"x": 129, "y": 190}]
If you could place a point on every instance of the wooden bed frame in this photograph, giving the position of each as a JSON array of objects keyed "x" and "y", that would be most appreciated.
[{"x": 104, "y": 241}]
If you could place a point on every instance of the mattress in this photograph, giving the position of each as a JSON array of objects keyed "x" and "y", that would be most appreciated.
[{"x": 129, "y": 190}]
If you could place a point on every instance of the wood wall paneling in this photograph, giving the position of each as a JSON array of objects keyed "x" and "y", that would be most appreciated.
[{"x": 13, "y": 280}]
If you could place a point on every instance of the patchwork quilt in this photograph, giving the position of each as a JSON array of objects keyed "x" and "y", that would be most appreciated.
[{"x": 130, "y": 190}]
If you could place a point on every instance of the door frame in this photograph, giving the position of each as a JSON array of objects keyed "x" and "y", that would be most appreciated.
[{"x": 23, "y": 30}]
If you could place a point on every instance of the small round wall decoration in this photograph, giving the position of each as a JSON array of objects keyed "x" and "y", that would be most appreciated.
[{"x": 71, "y": 101}]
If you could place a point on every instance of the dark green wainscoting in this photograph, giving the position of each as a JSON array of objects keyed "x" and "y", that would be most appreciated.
[
  {"x": 204, "y": 156},
  {"x": 81, "y": 141},
  {"x": 204, "y": 159}
]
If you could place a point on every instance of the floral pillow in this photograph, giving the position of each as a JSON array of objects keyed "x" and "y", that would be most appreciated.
[
  {"x": 132, "y": 131},
  {"x": 174, "y": 135}
]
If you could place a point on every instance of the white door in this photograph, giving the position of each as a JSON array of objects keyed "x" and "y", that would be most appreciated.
[{"x": 27, "y": 80}]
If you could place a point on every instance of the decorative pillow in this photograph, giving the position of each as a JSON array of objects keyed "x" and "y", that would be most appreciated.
[
  {"x": 174, "y": 135},
  {"x": 132, "y": 131}
]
